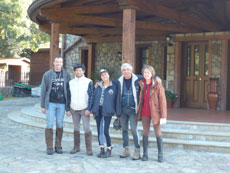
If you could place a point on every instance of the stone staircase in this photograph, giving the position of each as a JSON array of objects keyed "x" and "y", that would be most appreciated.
[{"x": 212, "y": 137}]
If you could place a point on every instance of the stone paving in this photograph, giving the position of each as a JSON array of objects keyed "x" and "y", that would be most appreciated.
[{"x": 23, "y": 151}]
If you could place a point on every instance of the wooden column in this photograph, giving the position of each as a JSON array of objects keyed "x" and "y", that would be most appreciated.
[
  {"x": 54, "y": 43},
  {"x": 177, "y": 72},
  {"x": 209, "y": 58},
  {"x": 128, "y": 36},
  {"x": 224, "y": 69},
  {"x": 91, "y": 55}
]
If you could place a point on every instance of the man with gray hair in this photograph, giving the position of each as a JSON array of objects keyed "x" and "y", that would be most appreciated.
[{"x": 128, "y": 96}]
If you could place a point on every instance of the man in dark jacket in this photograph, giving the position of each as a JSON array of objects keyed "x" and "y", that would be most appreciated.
[
  {"x": 128, "y": 95},
  {"x": 54, "y": 102}
]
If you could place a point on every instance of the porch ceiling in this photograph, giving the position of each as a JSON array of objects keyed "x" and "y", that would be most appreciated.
[{"x": 101, "y": 20}]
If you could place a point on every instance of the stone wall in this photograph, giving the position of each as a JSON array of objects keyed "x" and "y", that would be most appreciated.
[
  {"x": 216, "y": 51},
  {"x": 155, "y": 54},
  {"x": 169, "y": 83},
  {"x": 72, "y": 56},
  {"x": 107, "y": 56},
  {"x": 6, "y": 91}
]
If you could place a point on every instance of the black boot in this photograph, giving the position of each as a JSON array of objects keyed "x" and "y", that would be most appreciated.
[
  {"x": 145, "y": 148},
  {"x": 102, "y": 152},
  {"x": 108, "y": 152},
  {"x": 160, "y": 149}
]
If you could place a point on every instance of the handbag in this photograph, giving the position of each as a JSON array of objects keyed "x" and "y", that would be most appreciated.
[{"x": 116, "y": 124}]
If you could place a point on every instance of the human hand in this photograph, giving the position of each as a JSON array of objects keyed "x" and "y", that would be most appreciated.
[
  {"x": 68, "y": 113},
  {"x": 118, "y": 118},
  {"x": 87, "y": 113},
  {"x": 158, "y": 80},
  {"x": 43, "y": 110},
  {"x": 96, "y": 85},
  {"x": 163, "y": 121}
]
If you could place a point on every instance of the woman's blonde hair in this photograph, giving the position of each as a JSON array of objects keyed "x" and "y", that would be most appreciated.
[{"x": 150, "y": 68}]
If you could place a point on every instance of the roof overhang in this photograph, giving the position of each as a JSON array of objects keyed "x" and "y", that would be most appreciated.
[{"x": 101, "y": 20}]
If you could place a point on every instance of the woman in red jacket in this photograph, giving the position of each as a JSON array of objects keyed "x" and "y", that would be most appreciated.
[{"x": 152, "y": 106}]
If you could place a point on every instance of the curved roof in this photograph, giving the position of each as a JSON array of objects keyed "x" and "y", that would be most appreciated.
[{"x": 102, "y": 19}]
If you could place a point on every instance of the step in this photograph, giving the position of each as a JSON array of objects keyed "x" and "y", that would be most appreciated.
[
  {"x": 168, "y": 142},
  {"x": 184, "y": 134},
  {"x": 186, "y": 125}
]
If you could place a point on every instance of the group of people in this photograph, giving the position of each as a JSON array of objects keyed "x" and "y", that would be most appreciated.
[{"x": 131, "y": 98}]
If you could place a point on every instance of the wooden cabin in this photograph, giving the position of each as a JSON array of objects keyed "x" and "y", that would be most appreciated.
[{"x": 187, "y": 41}]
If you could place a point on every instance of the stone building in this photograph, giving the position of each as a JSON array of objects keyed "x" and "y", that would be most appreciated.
[{"x": 187, "y": 42}]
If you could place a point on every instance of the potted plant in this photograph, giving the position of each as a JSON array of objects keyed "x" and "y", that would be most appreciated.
[{"x": 171, "y": 98}]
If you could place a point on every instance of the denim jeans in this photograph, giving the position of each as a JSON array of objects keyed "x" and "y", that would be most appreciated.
[
  {"x": 55, "y": 110},
  {"x": 129, "y": 114},
  {"x": 103, "y": 123}
]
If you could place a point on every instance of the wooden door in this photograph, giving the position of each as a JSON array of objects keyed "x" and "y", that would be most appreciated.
[
  {"x": 14, "y": 73},
  {"x": 84, "y": 60},
  {"x": 196, "y": 75},
  {"x": 142, "y": 58}
]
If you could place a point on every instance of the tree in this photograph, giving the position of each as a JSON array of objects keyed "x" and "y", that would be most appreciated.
[{"x": 17, "y": 31}]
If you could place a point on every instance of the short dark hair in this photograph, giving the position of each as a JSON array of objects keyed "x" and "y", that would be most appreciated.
[
  {"x": 58, "y": 56},
  {"x": 82, "y": 66}
]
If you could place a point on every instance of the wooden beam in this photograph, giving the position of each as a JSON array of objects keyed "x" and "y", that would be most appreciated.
[
  {"x": 128, "y": 36},
  {"x": 227, "y": 11},
  {"x": 45, "y": 28},
  {"x": 210, "y": 58},
  {"x": 54, "y": 43},
  {"x": 205, "y": 12},
  {"x": 224, "y": 75},
  {"x": 202, "y": 38},
  {"x": 177, "y": 72},
  {"x": 104, "y": 21},
  {"x": 162, "y": 11},
  {"x": 219, "y": 6},
  {"x": 110, "y": 39},
  {"x": 91, "y": 59},
  {"x": 95, "y": 9},
  {"x": 68, "y": 29}
]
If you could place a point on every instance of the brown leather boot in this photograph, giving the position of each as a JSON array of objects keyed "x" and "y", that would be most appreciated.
[
  {"x": 59, "y": 133},
  {"x": 49, "y": 141},
  {"x": 88, "y": 142},
  {"x": 76, "y": 147}
]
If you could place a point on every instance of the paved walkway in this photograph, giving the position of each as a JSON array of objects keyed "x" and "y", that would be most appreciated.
[{"x": 23, "y": 151}]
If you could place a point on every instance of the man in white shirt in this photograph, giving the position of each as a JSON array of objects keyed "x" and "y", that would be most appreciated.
[{"x": 81, "y": 91}]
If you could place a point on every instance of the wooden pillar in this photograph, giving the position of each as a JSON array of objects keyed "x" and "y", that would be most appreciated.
[
  {"x": 91, "y": 55},
  {"x": 54, "y": 43},
  {"x": 209, "y": 58},
  {"x": 128, "y": 36},
  {"x": 177, "y": 73},
  {"x": 224, "y": 62}
]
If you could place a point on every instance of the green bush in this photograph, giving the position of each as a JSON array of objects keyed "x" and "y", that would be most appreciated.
[{"x": 170, "y": 95}]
